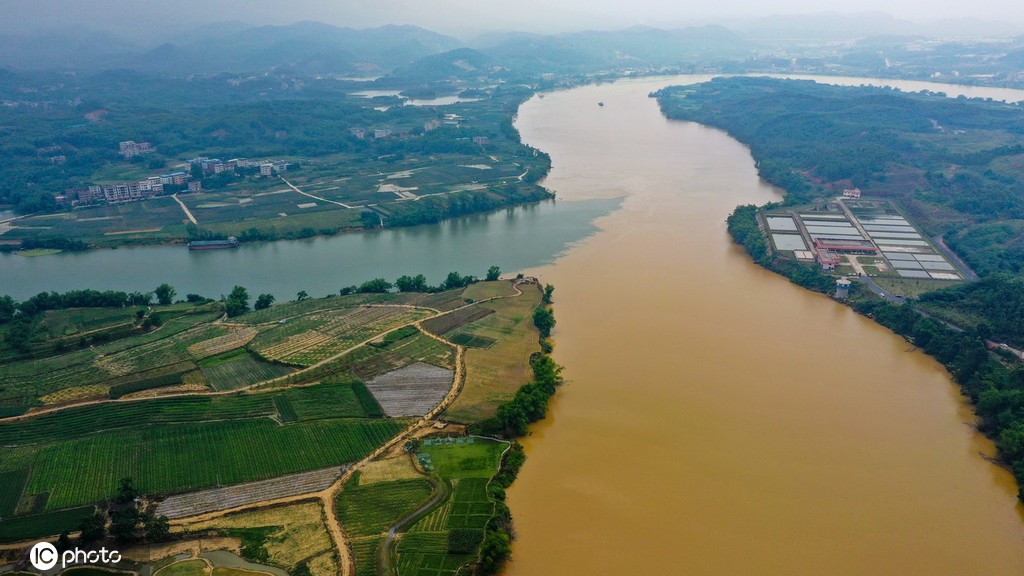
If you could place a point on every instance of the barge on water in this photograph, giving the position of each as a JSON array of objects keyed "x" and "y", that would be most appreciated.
[{"x": 231, "y": 242}]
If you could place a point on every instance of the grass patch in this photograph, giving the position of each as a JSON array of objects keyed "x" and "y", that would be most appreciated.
[
  {"x": 40, "y": 525},
  {"x": 494, "y": 374},
  {"x": 479, "y": 459},
  {"x": 484, "y": 290},
  {"x": 32, "y": 253},
  {"x": 912, "y": 287},
  {"x": 184, "y": 568},
  {"x": 471, "y": 340},
  {"x": 288, "y": 534}
]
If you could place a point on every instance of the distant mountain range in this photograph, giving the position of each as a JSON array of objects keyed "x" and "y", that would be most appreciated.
[
  {"x": 313, "y": 47},
  {"x": 231, "y": 47},
  {"x": 410, "y": 52}
]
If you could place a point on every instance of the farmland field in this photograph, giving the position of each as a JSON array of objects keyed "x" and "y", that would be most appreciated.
[
  {"x": 493, "y": 374},
  {"x": 11, "y": 484},
  {"x": 103, "y": 365},
  {"x": 175, "y": 458},
  {"x": 316, "y": 337},
  {"x": 366, "y": 510},
  {"x": 364, "y": 552},
  {"x": 467, "y": 464},
  {"x": 241, "y": 370},
  {"x": 411, "y": 391},
  {"x": 296, "y": 532},
  {"x": 215, "y": 436},
  {"x": 25, "y": 527},
  {"x": 166, "y": 444}
]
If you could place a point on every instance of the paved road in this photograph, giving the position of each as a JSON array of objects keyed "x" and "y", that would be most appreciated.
[
  {"x": 964, "y": 268},
  {"x": 888, "y": 296}
]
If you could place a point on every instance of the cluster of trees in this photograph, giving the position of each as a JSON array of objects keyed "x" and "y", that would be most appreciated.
[
  {"x": 996, "y": 388},
  {"x": 530, "y": 403},
  {"x": 418, "y": 283},
  {"x": 23, "y": 316},
  {"x": 743, "y": 228},
  {"x": 434, "y": 209},
  {"x": 996, "y": 302},
  {"x": 237, "y": 302},
  {"x": 992, "y": 247},
  {"x": 497, "y": 538},
  {"x": 127, "y": 523},
  {"x": 54, "y": 243}
]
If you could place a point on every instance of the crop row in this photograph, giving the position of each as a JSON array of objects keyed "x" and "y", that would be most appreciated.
[
  {"x": 353, "y": 336},
  {"x": 230, "y": 341},
  {"x": 69, "y": 424},
  {"x": 183, "y": 457},
  {"x": 243, "y": 372},
  {"x": 39, "y": 525},
  {"x": 369, "y": 509}
]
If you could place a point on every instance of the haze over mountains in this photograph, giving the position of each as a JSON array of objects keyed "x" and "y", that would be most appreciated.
[{"x": 235, "y": 47}]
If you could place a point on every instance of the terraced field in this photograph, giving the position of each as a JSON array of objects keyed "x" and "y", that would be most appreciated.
[
  {"x": 320, "y": 335},
  {"x": 105, "y": 365}
]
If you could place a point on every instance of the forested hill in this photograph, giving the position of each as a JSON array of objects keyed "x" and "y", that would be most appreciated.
[{"x": 955, "y": 164}]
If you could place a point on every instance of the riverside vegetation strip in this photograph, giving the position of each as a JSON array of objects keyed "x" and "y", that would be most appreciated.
[
  {"x": 949, "y": 162},
  {"x": 67, "y": 444}
]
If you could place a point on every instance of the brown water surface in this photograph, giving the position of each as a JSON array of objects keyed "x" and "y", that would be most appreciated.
[{"x": 718, "y": 419}]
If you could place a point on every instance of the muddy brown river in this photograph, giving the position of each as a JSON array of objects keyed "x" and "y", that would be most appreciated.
[{"x": 718, "y": 419}]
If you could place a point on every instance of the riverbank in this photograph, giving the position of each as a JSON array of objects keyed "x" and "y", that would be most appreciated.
[{"x": 825, "y": 445}]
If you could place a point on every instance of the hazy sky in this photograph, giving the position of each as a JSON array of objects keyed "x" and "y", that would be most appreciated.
[{"x": 137, "y": 18}]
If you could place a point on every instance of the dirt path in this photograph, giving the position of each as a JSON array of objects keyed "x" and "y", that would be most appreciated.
[
  {"x": 328, "y": 496},
  {"x": 293, "y": 187},
  {"x": 185, "y": 209},
  {"x": 33, "y": 414},
  {"x": 386, "y": 553}
]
